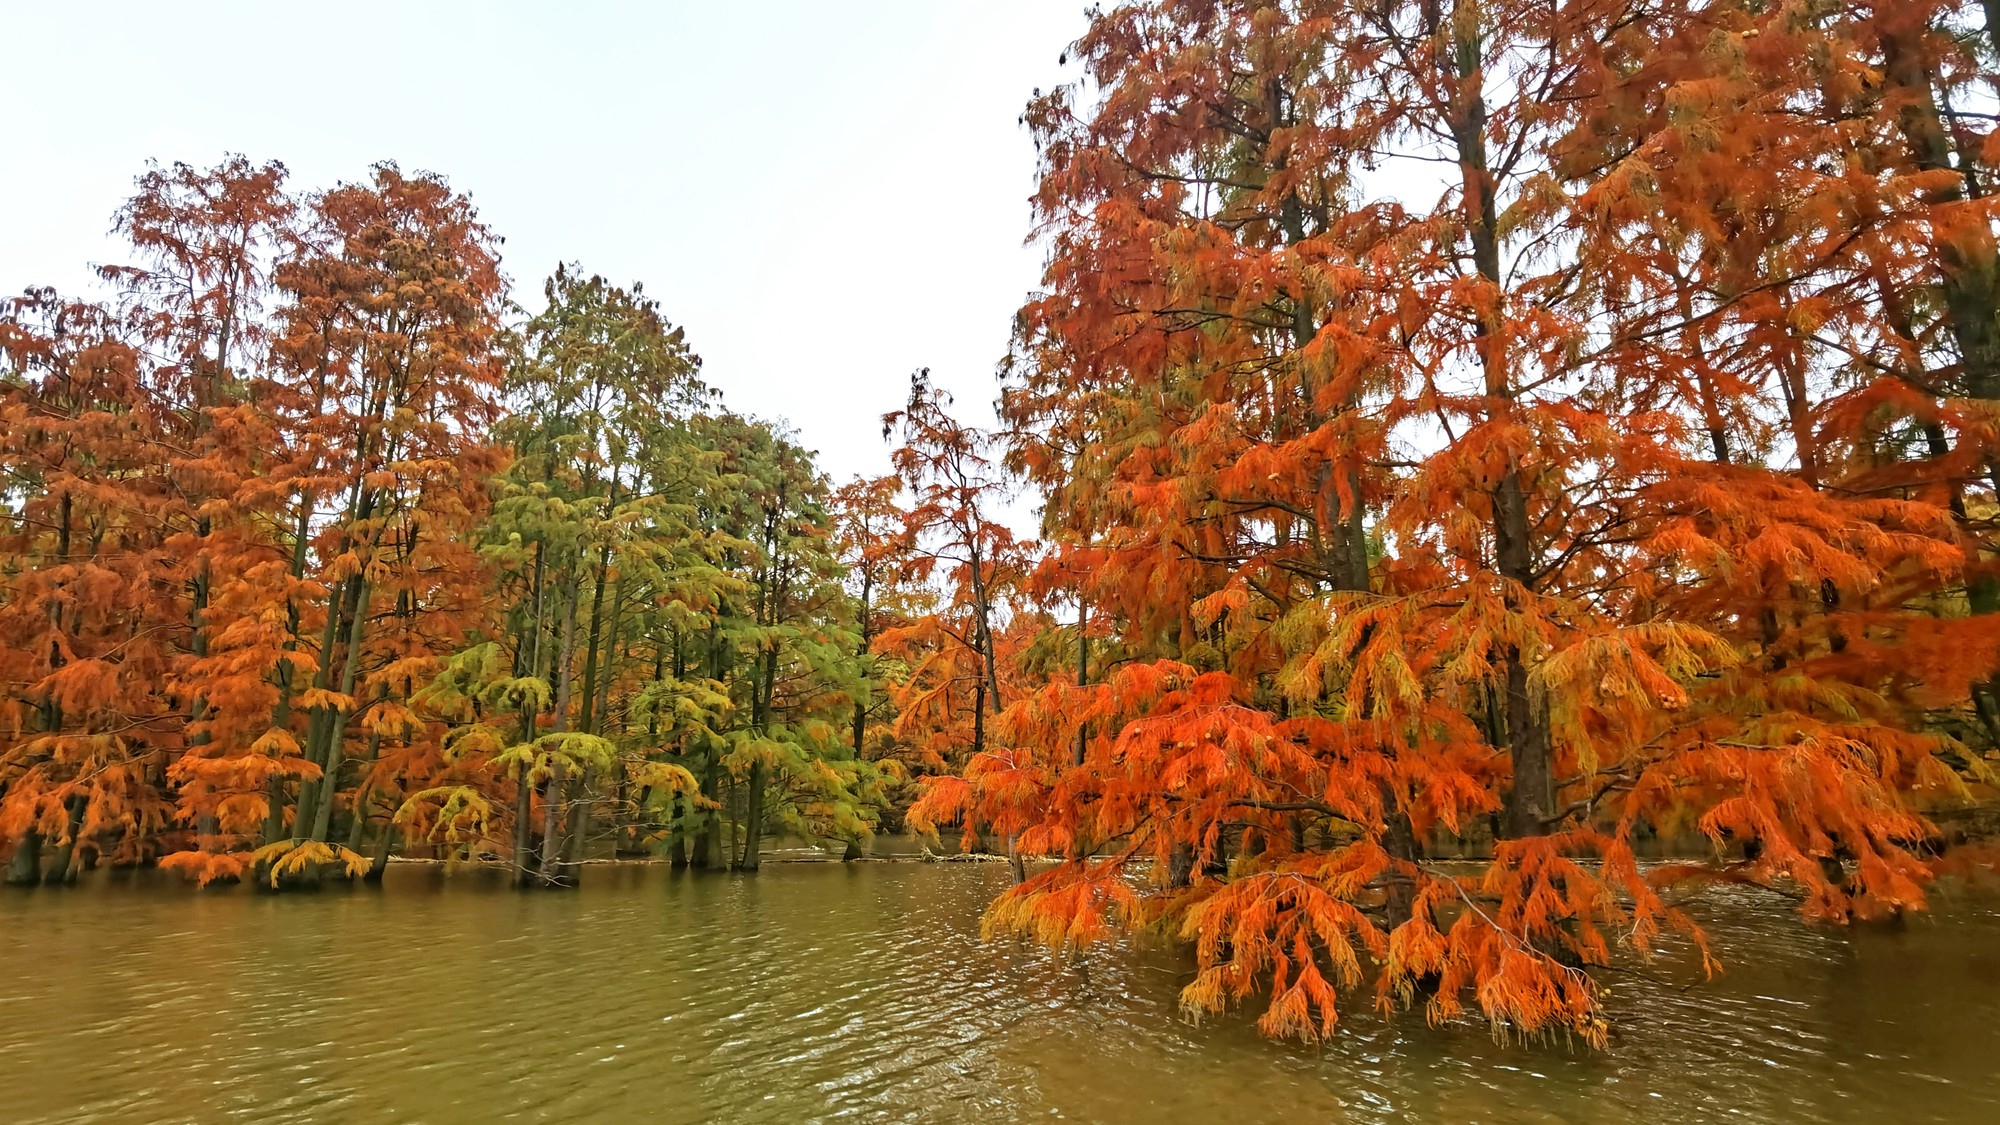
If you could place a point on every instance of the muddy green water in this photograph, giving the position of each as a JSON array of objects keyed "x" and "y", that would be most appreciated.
[{"x": 863, "y": 992}]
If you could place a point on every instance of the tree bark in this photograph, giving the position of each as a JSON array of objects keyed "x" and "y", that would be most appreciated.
[
  {"x": 25, "y": 869},
  {"x": 337, "y": 725},
  {"x": 1531, "y": 800},
  {"x": 555, "y": 802},
  {"x": 753, "y": 819},
  {"x": 385, "y": 842},
  {"x": 62, "y": 868}
]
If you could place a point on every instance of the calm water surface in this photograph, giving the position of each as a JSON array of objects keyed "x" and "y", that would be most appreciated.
[{"x": 863, "y": 992}]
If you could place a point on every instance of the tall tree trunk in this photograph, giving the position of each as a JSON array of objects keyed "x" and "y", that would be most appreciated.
[
  {"x": 579, "y": 825},
  {"x": 281, "y": 713},
  {"x": 1969, "y": 262},
  {"x": 732, "y": 831},
  {"x": 597, "y": 715},
  {"x": 592, "y": 636},
  {"x": 337, "y": 726},
  {"x": 1082, "y": 676},
  {"x": 708, "y": 852},
  {"x": 708, "y": 843},
  {"x": 753, "y": 813},
  {"x": 317, "y": 717},
  {"x": 555, "y": 804},
  {"x": 753, "y": 819},
  {"x": 357, "y": 828},
  {"x": 1531, "y": 800},
  {"x": 524, "y": 800},
  {"x": 979, "y": 717},
  {"x": 524, "y": 789},
  {"x": 1966, "y": 253},
  {"x": 863, "y": 697},
  {"x": 1342, "y": 528}
]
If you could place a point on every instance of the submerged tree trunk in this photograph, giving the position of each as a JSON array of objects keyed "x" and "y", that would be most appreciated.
[
  {"x": 579, "y": 826},
  {"x": 385, "y": 842},
  {"x": 1400, "y": 841},
  {"x": 25, "y": 870},
  {"x": 707, "y": 854},
  {"x": 753, "y": 819},
  {"x": 524, "y": 798},
  {"x": 677, "y": 848},
  {"x": 549, "y": 866},
  {"x": 62, "y": 869}
]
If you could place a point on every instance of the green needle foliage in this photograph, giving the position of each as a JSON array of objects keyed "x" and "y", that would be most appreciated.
[{"x": 677, "y": 658}]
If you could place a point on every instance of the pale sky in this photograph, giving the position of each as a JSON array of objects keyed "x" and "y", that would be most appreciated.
[{"x": 827, "y": 195}]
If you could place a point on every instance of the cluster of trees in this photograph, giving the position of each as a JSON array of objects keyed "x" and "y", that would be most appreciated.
[
  {"x": 313, "y": 548},
  {"x": 1490, "y": 439},
  {"x": 1477, "y": 442}
]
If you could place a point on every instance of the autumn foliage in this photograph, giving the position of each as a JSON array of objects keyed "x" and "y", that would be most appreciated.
[
  {"x": 1503, "y": 468},
  {"x": 312, "y": 552},
  {"x": 1495, "y": 443}
]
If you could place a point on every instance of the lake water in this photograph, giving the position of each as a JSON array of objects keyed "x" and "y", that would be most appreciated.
[{"x": 863, "y": 992}]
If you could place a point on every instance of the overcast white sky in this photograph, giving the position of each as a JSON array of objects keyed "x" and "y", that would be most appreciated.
[{"x": 827, "y": 195}]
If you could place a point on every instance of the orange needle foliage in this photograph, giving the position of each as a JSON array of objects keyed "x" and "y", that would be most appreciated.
[
  {"x": 275, "y": 598},
  {"x": 1495, "y": 439},
  {"x": 1485, "y": 446},
  {"x": 958, "y": 656},
  {"x": 87, "y": 615}
]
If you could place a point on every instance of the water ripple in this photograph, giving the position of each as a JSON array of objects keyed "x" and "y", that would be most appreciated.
[{"x": 863, "y": 993}]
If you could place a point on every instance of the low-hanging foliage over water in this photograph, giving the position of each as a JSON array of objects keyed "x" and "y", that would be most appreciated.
[{"x": 1516, "y": 432}]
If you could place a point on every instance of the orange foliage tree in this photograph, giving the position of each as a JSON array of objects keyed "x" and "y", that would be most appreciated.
[
  {"x": 240, "y": 537},
  {"x": 884, "y": 573},
  {"x": 207, "y": 241},
  {"x": 956, "y": 653},
  {"x": 89, "y": 613},
  {"x": 392, "y": 308},
  {"x": 1494, "y": 433}
]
